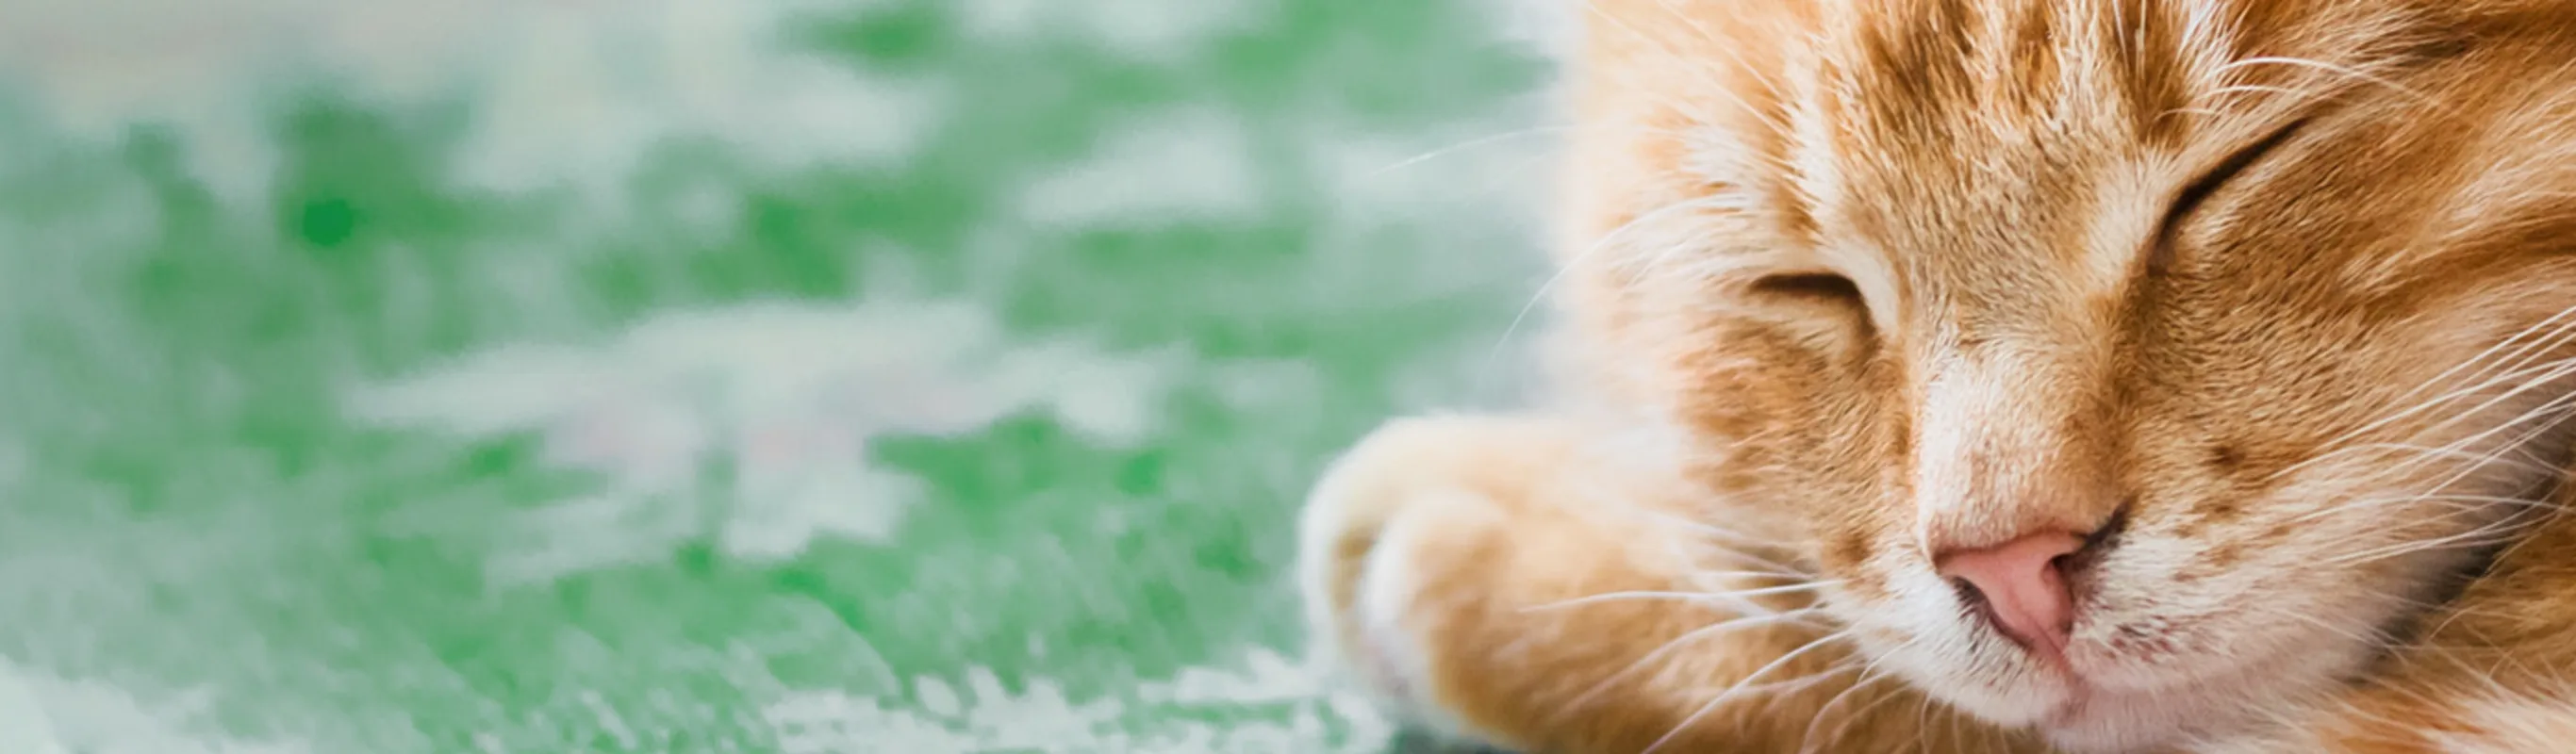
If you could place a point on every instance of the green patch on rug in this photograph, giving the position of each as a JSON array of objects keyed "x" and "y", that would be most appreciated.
[{"x": 696, "y": 376}]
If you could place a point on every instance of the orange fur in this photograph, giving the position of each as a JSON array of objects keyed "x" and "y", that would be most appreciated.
[{"x": 2282, "y": 286}]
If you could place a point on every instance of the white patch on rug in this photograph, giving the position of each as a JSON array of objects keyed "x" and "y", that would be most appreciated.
[
  {"x": 1185, "y": 165},
  {"x": 43, "y": 714},
  {"x": 1150, "y": 30},
  {"x": 563, "y": 92},
  {"x": 574, "y": 97},
  {"x": 25, "y": 726},
  {"x": 1295, "y": 706},
  {"x": 775, "y": 404},
  {"x": 1550, "y": 27}
]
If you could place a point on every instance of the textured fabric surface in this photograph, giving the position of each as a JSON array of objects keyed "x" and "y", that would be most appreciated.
[{"x": 903, "y": 376}]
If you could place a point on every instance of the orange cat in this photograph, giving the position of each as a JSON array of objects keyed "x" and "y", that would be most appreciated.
[{"x": 2008, "y": 375}]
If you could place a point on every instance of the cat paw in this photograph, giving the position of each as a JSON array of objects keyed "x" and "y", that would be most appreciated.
[
  {"x": 1380, "y": 541},
  {"x": 1455, "y": 568}
]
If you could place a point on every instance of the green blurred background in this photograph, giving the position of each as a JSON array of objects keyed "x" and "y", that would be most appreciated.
[{"x": 908, "y": 376}]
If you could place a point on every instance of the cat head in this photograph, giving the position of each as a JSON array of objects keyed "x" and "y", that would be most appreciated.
[{"x": 2120, "y": 365}]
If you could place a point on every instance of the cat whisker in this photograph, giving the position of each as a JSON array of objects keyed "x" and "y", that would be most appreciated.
[
  {"x": 2498, "y": 532},
  {"x": 2340, "y": 70},
  {"x": 1695, "y": 67},
  {"x": 1660, "y": 652},
  {"x": 2557, "y": 410},
  {"x": 1922, "y": 723},
  {"x": 1605, "y": 241},
  {"x": 1808, "y": 739},
  {"x": 1727, "y": 545},
  {"x": 2347, "y": 449},
  {"x": 2548, "y": 516},
  {"x": 1695, "y": 597},
  {"x": 2514, "y": 453},
  {"x": 2416, "y": 452},
  {"x": 1854, "y": 716},
  {"x": 2380, "y": 638},
  {"x": 2375, "y": 637},
  {"x": 1720, "y": 44},
  {"x": 1754, "y": 574},
  {"x": 2559, "y": 328},
  {"x": 2214, "y": 108},
  {"x": 1740, "y": 686},
  {"x": 2454, "y": 502},
  {"x": 2549, "y": 372},
  {"x": 2225, "y": 91},
  {"x": 1473, "y": 143},
  {"x": 1773, "y": 569},
  {"x": 1731, "y": 541},
  {"x": 1714, "y": 531}
]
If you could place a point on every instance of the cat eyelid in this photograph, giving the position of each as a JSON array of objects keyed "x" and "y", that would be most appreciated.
[
  {"x": 1825, "y": 285},
  {"x": 1813, "y": 287},
  {"x": 2160, "y": 250}
]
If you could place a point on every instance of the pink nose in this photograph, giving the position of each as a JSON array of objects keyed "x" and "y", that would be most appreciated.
[{"x": 2024, "y": 592}]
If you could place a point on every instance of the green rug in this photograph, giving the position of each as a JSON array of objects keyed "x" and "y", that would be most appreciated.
[{"x": 908, "y": 376}]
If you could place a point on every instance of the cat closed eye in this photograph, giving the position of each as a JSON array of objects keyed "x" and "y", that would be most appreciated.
[{"x": 1817, "y": 286}]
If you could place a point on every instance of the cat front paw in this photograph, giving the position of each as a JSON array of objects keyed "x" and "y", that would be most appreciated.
[
  {"x": 1391, "y": 512},
  {"x": 1531, "y": 584}
]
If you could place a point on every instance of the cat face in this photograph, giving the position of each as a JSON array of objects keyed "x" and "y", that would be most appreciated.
[{"x": 2261, "y": 309}]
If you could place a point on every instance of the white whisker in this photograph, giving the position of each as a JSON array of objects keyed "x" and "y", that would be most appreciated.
[
  {"x": 1660, "y": 652},
  {"x": 1808, "y": 739},
  {"x": 1697, "y": 597},
  {"x": 2341, "y": 70},
  {"x": 1740, "y": 686},
  {"x": 1466, "y": 145},
  {"x": 1604, "y": 242}
]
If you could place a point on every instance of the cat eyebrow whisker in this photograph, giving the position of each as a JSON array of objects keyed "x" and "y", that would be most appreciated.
[
  {"x": 2340, "y": 70},
  {"x": 1695, "y": 67},
  {"x": 1742, "y": 66},
  {"x": 2207, "y": 104},
  {"x": 2226, "y": 91},
  {"x": 1578, "y": 259}
]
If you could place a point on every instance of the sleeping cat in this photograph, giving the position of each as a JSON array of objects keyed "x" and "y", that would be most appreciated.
[{"x": 2015, "y": 375}]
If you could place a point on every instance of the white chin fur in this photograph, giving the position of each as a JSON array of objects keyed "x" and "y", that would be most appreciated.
[{"x": 2138, "y": 720}]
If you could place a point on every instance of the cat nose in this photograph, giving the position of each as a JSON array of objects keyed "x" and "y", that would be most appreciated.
[{"x": 2020, "y": 586}]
